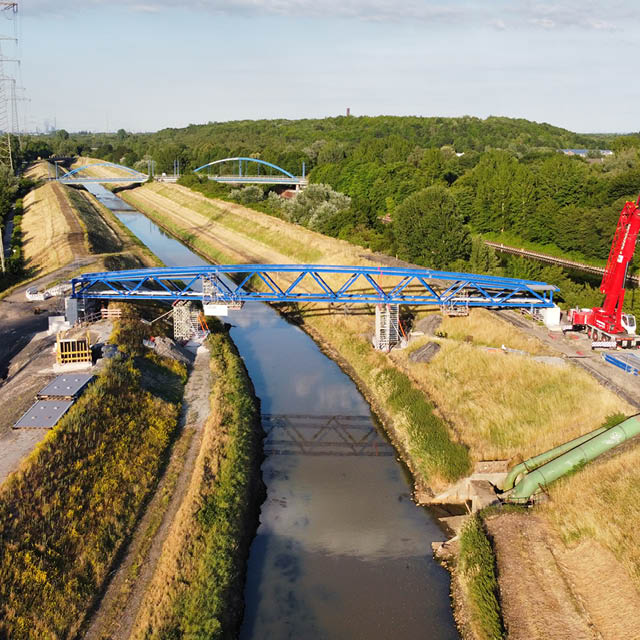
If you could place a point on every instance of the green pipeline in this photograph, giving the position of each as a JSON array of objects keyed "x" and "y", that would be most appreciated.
[
  {"x": 574, "y": 459},
  {"x": 537, "y": 461}
]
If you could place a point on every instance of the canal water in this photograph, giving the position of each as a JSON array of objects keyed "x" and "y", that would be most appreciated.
[{"x": 341, "y": 551}]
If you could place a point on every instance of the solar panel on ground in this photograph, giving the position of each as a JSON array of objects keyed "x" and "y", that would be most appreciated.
[
  {"x": 44, "y": 414},
  {"x": 69, "y": 385}
]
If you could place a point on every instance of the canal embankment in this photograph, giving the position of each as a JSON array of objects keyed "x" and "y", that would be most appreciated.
[
  {"x": 199, "y": 575},
  {"x": 70, "y": 508}
]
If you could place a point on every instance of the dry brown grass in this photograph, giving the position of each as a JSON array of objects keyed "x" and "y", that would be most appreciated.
[
  {"x": 52, "y": 237},
  {"x": 263, "y": 236},
  {"x": 601, "y": 502},
  {"x": 487, "y": 329},
  {"x": 38, "y": 170},
  {"x": 502, "y": 404}
]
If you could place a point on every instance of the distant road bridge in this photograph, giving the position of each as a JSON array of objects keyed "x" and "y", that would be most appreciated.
[
  {"x": 237, "y": 283},
  {"x": 242, "y": 176},
  {"x": 75, "y": 176}
]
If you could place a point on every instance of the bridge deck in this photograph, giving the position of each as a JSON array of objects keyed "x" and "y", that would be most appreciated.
[
  {"x": 232, "y": 284},
  {"x": 259, "y": 180}
]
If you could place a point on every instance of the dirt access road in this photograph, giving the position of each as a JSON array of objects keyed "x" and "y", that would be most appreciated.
[
  {"x": 578, "y": 593},
  {"x": 118, "y": 610}
]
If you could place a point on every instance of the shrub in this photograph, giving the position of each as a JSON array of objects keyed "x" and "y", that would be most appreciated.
[
  {"x": 314, "y": 206},
  {"x": 247, "y": 195}
]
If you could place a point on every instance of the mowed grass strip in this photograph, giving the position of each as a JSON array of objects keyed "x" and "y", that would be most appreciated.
[
  {"x": 47, "y": 241},
  {"x": 66, "y": 513}
]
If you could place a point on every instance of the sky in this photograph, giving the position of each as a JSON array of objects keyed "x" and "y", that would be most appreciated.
[{"x": 143, "y": 65}]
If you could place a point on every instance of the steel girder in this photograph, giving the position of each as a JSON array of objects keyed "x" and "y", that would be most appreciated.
[{"x": 235, "y": 283}]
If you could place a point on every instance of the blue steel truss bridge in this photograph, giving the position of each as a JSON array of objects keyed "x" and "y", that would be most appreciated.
[{"x": 239, "y": 283}]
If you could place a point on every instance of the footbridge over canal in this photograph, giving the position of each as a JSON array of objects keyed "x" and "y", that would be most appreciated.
[
  {"x": 77, "y": 175},
  {"x": 221, "y": 287},
  {"x": 241, "y": 175}
]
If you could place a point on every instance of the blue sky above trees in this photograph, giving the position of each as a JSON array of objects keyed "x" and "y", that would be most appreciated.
[{"x": 156, "y": 63}]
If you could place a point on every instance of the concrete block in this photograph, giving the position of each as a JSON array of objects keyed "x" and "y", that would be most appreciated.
[
  {"x": 551, "y": 317},
  {"x": 57, "y": 323},
  {"x": 71, "y": 310},
  {"x": 482, "y": 494}
]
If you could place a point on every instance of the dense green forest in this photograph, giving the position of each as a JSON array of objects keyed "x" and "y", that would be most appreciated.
[{"x": 396, "y": 184}]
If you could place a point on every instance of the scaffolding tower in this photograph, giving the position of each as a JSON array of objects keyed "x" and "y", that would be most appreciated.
[
  {"x": 387, "y": 327},
  {"x": 188, "y": 322}
]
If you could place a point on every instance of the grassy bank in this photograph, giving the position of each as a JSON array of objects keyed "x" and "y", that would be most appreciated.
[
  {"x": 610, "y": 487},
  {"x": 100, "y": 236},
  {"x": 52, "y": 235},
  {"x": 197, "y": 587},
  {"x": 476, "y": 572},
  {"x": 66, "y": 513}
]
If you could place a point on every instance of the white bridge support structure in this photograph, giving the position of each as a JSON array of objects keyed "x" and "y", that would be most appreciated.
[{"x": 387, "y": 327}]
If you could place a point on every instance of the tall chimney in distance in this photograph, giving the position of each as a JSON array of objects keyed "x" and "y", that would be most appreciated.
[{"x": 348, "y": 112}]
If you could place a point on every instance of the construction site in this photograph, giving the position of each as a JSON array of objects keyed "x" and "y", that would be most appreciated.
[{"x": 61, "y": 331}]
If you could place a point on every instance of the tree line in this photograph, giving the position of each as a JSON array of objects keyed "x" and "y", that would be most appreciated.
[{"x": 419, "y": 188}]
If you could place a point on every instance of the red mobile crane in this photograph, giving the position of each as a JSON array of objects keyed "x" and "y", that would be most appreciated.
[{"x": 607, "y": 324}]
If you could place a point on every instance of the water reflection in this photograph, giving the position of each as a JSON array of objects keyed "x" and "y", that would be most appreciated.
[{"x": 286, "y": 363}]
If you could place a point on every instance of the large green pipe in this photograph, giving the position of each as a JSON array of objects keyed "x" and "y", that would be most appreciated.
[
  {"x": 573, "y": 459},
  {"x": 542, "y": 458}
]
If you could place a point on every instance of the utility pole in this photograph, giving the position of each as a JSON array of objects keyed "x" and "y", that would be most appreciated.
[
  {"x": 8, "y": 109},
  {"x": 7, "y": 105}
]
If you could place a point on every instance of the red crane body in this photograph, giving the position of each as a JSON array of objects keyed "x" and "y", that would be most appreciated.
[{"x": 609, "y": 318}]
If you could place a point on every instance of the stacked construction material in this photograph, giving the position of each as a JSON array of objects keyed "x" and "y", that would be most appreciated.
[
  {"x": 53, "y": 401},
  {"x": 628, "y": 362}
]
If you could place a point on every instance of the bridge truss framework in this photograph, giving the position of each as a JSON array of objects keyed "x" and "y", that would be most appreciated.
[{"x": 239, "y": 283}]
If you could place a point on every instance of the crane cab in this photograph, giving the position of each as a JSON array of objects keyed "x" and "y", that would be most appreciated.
[{"x": 628, "y": 322}]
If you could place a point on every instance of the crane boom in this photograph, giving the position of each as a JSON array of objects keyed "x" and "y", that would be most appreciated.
[
  {"x": 608, "y": 322},
  {"x": 615, "y": 274}
]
